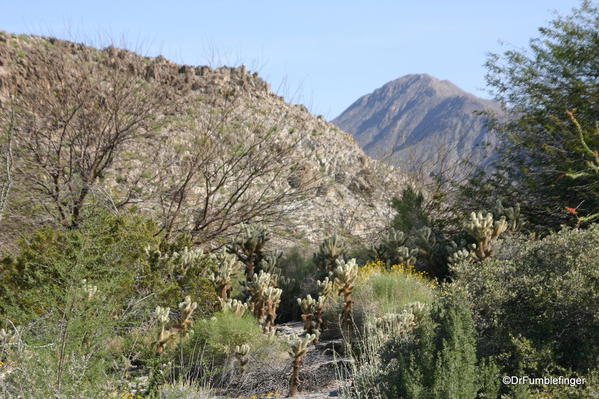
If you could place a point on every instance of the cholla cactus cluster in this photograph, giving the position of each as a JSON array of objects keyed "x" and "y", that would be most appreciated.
[
  {"x": 484, "y": 229},
  {"x": 427, "y": 243},
  {"x": 345, "y": 274},
  {"x": 179, "y": 328},
  {"x": 298, "y": 347},
  {"x": 234, "y": 306},
  {"x": 329, "y": 252},
  {"x": 512, "y": 214},
  {"x": 177, "y": 263},
  {"x": 313, "y": 309},
  {"x": 264, "y": 298},
  {"x": 400, "y": 325},
  {"x": 393, "y": 250},
  {"x": 222, "y": 278},
  {"x": 460, "y": 255},
  {"x": 242, "y": 355}
]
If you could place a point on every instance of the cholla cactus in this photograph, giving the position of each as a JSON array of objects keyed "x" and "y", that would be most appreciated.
[
  {"x": 325, "y": 287},
  {"x": 313, "y": 309},
  {"x": 426, "y": 242},
  {"x": 325, "y": 291},
  {"x": 484, "y": 229},
  {"x": 165, "y": 334},
  {"x": 298, "y": 347},
  {"x": 308, "y": 306},
  {"x": 242, "y": 356},
  {"x": 177, "y": 264},
  {"x": 330, "y": 250},
  {"x": 418, "y": 309},
  {"x": 345, "y": 275},
  {"x": 89, "y": 290},
  {"x": 186, "y": 308},
  {"x": 234, "y": 306},
  {"x": 264, "y": 298},
  {"x": 393, "y": 250},
  {"x": 513, "y": 216},
  {"x": 9, "y": 339},
  {"x": 270, "y": 261},
  {"x": 181, "y": 327},
  {"x": 399, "y": 324},
  {"x": 228, "y": 267},
  {"x": 249, "y": 247},
  {"x": 459, "y": 256}
]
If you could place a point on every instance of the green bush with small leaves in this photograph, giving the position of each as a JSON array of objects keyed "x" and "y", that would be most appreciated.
[{"x": 543, "y": 292}]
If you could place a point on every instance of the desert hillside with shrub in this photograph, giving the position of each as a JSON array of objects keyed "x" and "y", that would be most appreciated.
[{"x": 171, "y": 231}]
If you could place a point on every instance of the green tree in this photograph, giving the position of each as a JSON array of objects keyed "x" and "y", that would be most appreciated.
[{"x": 549, "y": 152}]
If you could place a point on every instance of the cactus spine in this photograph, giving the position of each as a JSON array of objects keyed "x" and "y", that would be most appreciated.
[{"x": 298, "y": 349}]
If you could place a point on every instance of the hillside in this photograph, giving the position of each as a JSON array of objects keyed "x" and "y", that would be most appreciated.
[
  {"x": 420, "y": 120},
  {"x": 337, "y": 187}
]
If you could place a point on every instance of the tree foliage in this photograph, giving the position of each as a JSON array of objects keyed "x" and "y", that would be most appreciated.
[{"x": 550, "y": 142}]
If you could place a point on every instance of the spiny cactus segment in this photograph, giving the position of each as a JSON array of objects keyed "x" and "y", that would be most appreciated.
[
  {"x": 234, "y": 306},
  {"x": 298, "y": 347},
  {"x": 330, "y": 250},
  {"x": 345, "y": 274},
  {"x": 264, "y": 298},
  {"x": 242, "y": 356},
  {"x": 484, "y": 229},
  {"x": 179, "y": 328},
  {"x": 222, "y": 278}
]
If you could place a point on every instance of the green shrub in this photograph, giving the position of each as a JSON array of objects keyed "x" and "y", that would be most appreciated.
[
  {"x": 122, "y": 254},
  {"x": 67, "y": 353},
  {"x": 216, "y": 338},
  {"x": 107, "y": 250},
  {"x": 439, "y": 360},
  {"x": 538, "y": 294}
]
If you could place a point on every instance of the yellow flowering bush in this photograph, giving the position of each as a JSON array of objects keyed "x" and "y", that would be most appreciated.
[
  {"x": 379, "y": 267},
  {"x": 385, "y": 289}
]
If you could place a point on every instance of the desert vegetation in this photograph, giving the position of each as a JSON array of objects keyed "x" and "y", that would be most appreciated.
[{"x": 142, "y": 256}]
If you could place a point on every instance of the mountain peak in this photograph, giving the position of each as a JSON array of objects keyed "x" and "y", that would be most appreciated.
[{"x": 409, "y": 121}]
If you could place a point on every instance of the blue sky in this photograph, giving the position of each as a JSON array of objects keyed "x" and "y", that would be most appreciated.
[{"x": 324, "y": 54}]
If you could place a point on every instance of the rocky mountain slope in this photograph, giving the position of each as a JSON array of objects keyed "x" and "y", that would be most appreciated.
[
  {"x": 418, "y": 120},
  {"x": 350, "y": 191}
]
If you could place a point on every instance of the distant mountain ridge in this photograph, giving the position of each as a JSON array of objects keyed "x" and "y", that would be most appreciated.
[{"x": 418, "y": 120}]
